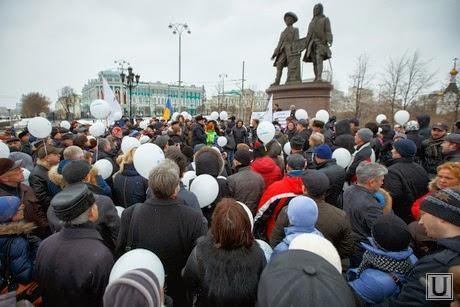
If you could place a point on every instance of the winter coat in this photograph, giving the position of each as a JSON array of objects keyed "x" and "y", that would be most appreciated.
[
  {"x": 275, "y": 197},
  {"x": 268, "y": 169},
  {"x": 406, "y": 181},
  {"x": 198, "y": 135},
  {"x": 73, "y": 267},
  {"x": 337, "y": 176},
  {"x": 343, "y": 136},
  {"x": 374, "y": 285},
  {"x": 222, "y": 277},
  {"x": 108, "y": 223},
  {"x": 362, "y": 153},
  {"x": 305, "y": 134},
  {"x": 247, "y": 187},
  {"x": 290, "y": 133},
  {"x": 432, "y": 154},
  {"x": 362, "y": 209},
  {"x": 38, "y": 181},
  {"x": 170, "y": 230},
  {"x": 452, "y": 156},
  {"x": 21, "y": 254},
  {"x": 424, "y": 127},
  {"x": 129, "y": 187},
  {"x": 33, "y": 212},
  {"x": 415, "y": 137},
  {"x": 111, "y": 157},
  {"x": 240, "y": 134},
  {"x": 413, "y": 292},
  {"x": 332, "y": 223}
]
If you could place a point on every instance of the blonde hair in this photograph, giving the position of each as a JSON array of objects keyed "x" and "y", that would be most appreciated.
[
  {"x": 126, "y": 158},
  {"x": 316, "y": 139},
  {"x": 453, "y": 167}
]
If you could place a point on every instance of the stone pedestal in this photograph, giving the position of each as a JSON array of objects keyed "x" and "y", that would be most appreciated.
[{"x": 311, "y": 96}]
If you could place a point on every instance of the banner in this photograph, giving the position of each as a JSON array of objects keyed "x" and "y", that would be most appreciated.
[
  {"x": 258, "y": 115},
  {"x": 111, "y": 99},
  {"x": 268, "y": 116},
  {"x": 281, "y": 117}
]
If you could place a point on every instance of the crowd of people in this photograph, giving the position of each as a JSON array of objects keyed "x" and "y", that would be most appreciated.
[{"x": 289, "y": 226}]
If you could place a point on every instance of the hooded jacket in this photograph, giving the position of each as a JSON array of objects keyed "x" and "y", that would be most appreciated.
[
  {"x": 129, "y": 187},
  {"x": 424, "y": 126},
  {"x": 269, "y": 170},
  {"x": 343, "y": 135},
  {"x": 247, "y": 187},
  {"x": 336, "y": 175}
]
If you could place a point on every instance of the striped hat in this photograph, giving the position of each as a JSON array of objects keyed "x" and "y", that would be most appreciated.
[{"x": 444, "y": 204}]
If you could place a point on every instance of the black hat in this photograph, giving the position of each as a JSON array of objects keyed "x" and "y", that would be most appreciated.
[
  {"x": 199, "y": 117},
  {"x": 75, "y": 171},
  {"x": 440, "y": 126},
  {"x": 391, "y": 233},
  {"x": 23, "y": 133},
  {"x": 297, "y": 142},
  {"x": 298, "y": 278},
  {"x": 316, "y": 182},
  {"x": 72, "y": 201},
  {"x": 406, "y": 148},
  {"x": 243, "y": 156},
  {"x": 444, "y": 204},
  {"x": 293, "y": 15},
  {"x": 7, "y": 165},
  {"x": 453, "y": 138}
]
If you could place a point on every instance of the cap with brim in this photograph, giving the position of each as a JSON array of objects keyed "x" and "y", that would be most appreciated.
[
  {"x": 43, "y": 152},
  {"x": 12, "y": 140},
  {"x": 453, "y": 138},
  {"x": 440, "y": 126},
  {"x": 7, "y": 165},
  {"x": 293, "y": 15},
  {"x": 72, "y": 201}
]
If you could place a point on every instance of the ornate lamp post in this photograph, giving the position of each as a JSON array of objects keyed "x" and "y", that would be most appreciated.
[
  {"x": 222, "y": 76},
  {"x": 451, "y": 94},
  {"x": 179, "y": 28},
  {"x": 131, "y": 81}
]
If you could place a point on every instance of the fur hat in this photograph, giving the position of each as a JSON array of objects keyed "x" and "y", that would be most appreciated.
[{"x": 72, "y": 201}]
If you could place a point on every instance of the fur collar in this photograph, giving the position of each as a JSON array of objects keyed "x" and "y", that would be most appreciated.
[
  {"x": 55, "y": 177},
  {"x": 16, "y": 228}
]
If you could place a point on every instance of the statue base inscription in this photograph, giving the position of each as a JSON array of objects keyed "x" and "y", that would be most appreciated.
[{"x": 311, "y": 96}]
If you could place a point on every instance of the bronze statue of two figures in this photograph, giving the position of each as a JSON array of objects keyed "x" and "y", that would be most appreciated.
[{"x": 289, "y": 49}]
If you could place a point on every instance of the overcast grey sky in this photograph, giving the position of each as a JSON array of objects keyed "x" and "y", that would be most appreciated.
[{"x": 48, "y": 44}]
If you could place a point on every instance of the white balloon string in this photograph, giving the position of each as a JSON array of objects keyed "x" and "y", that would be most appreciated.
[
  {"x": 97, "y": 147},
  {"x": 45, "y": 140}
]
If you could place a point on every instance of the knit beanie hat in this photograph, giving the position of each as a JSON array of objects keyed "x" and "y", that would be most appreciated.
[
  {"x": 302, "y": 212},
  {"x": 139, "y": 287},
  {"x": 75, "y": 171},
  {"x": 9, "y": 205},
  {"x": 365, "y": 134},
  {"x": 316, "y": 182},
  {"x": 243, "y": 156},
  {"x": 318, "y": 245},
  {"x": 391, "y": 233},
  {"x": 444, "y": 204},
  {"x": 295, "y": 277},
  {"x": 323, "y": 151},
  {"x": 406, "y": 148}
]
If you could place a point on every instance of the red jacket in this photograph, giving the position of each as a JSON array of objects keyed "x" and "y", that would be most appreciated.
[
  {"x": 280, "y": 191},
  {"x": 416, "y": 206},
  {"x": 268, "y": 169}
]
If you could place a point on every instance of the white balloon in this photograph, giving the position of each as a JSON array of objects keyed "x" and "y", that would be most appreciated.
[
  {"x": 287, "y": 148},
  {"x": 379, "y": 118},
  {"x": 188, "y": 116},
  {"x": 322, "y": 115},
  {"x": 206, "y": 189},
  {"x": 266, "y": 248},
  {"x": 318, "y": 245},
  {"x": 4, "y": 150},
  {"x": 129, "y": 142},
  {"x": 104, "y": 168},
  {"x": 117, "y": 116},
  {"x": 402, "y": 117},
  {"x": 99, "y": 108},
  {"x": 342, "y": 156},
  {"x": 143, "y": 124},
  {"x": 223, "y": 115},
  {"x": 138, "y": 258},
  {"x": 301, "y": 114},
  {"x": 65, "y": 124},
  {"x": 187, "y": 177},
  {"x": 97, "y": 129},
  {"x": 144, "y": 139},
  {"x": 26, "y": 174},
  {"x": 214, "y": 115},
  {"x": 174, "y": 116},
  {"x": 39, "y": 127},
  {"x": 119, "y": 210},
  {"x": 146, "y": 157},
  {"x": 265, "y": 131},
  {"x": 249, "y": 213},
  {"x": 221, "y": 141}
]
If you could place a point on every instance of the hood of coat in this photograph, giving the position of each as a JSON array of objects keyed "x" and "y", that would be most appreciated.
[
  {"x": 55, "y": 177},
  {"x": 208, "y": 161},
  {"x": 16, "y": 228},
  {"x": 423, "y": 121},
  {"x": 374, "y": 248},
  {"x": 264, "y": 165}
]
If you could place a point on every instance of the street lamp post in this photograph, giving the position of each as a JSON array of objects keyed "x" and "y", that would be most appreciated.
[
  {"x": 179, "y": 28},
  {"x": 222, "y": 76},
  {"x": 122, "y": 67},
  {"x": 131, "y": 81},
  {"x": 451, "y": 94}
]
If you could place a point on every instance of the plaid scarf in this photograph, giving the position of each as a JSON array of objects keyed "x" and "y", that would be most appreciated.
[{"x": 384, "y": 263}]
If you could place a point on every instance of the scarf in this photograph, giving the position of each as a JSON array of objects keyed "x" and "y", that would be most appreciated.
[{"x": 384, "y": 263}]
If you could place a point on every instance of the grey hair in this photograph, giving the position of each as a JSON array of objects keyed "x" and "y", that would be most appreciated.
[
  {"x": 102, "y": 143},
  {"x": 296, "y": 162},
  {"x": 82, "y": 218},
  {"x": 73, "y": 153},
  {"x": 164, "y": 179},
  {"x": 369, "y": 170}
]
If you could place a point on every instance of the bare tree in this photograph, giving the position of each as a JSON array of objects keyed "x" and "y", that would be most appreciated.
[
  {"x": 360, "y": 80},
  {"x": 33, "y": 104},
  {"x": 393, "y": 78},
  {"x": 67, "y": 99}
]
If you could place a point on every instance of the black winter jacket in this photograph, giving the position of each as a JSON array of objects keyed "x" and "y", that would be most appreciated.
[
  {"x": 240, "y": 134},
  {"x": 406, "y": 181},
  {"x": 343, "y": 136},
  {"x": 432, "y": 154},
  {"x": 337, "y": 176},
  {"x": 222, "y": 277},
  {"x": 129, "y": 187},
  {"x": 362, "y": 153},
  {"x": 38, "y": 181},
  {"x": 198, "y": 135}
]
